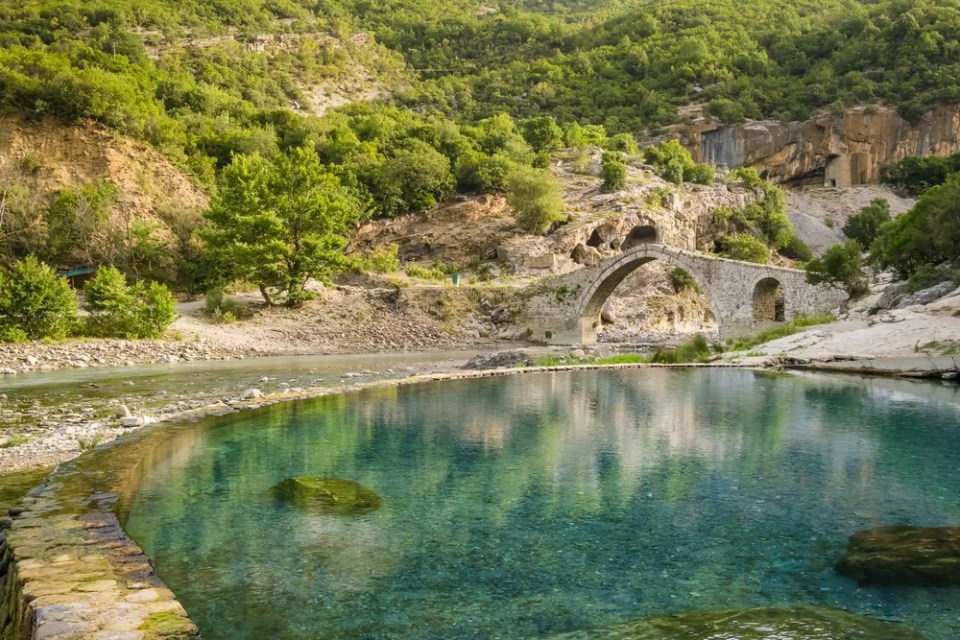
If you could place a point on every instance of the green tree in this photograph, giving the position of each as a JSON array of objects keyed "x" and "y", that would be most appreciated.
[
  {"x": 743, "y": 246},
  {"x": 840, "y": 266},
  {"x": 542, "y": 133},
  {"x": 613, "y": 170},
  {"x": 928, "y": 234},
  {"x": 279, "y": 223},
  {"x": 865, "y": 226},
  {"x": 35, "y": 303},
  {"x": 535, "y": 196}
]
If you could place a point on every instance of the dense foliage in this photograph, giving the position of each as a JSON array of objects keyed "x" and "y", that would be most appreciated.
[
  {"x": 277, "y": 223},
  {"x": 915, "y": 175},
  {"x": 927, "y": 235},
  {"x": 840, "y": 266},
  {"x": 865, "y": 225},
  {"x": 35, "y": 303},
  {"x": 534, "y": 195},
  {"x": 118, "y": 309}
]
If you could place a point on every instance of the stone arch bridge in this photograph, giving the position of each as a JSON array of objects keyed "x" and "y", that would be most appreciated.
[{"x": 743, "y": 297}]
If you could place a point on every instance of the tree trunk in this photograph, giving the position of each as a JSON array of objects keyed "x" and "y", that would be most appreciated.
[{"x": 266, "y": 295}]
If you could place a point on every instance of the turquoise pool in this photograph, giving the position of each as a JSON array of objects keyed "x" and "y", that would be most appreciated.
[{"x": 524, "y": 506}]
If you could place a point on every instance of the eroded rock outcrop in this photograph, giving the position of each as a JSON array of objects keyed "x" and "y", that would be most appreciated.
[
  {"x": 760, "y": 623},
  {"x": 833, "y": 150},
  {"x": 926, "y": 556}
]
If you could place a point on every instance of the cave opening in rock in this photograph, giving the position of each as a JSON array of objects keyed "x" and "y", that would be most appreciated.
[
  {"x": 595, "y": 240},
  {"x": 641, "y": 234}
]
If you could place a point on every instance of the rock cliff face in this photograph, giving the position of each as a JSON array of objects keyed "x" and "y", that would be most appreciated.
[{"x": 838, "y": 151}]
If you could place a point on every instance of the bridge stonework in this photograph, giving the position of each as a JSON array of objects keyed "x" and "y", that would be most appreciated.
[{"x": 566, "y": 309}]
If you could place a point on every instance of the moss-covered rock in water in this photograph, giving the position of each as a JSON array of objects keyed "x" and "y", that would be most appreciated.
[
  {"x": 760, "y": 623},
  {"x": 926, "y": 556},
  {"x": 327, "y": 495}
]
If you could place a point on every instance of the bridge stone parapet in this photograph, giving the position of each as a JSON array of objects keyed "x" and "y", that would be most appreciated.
[{"x": 744, "y": 297}]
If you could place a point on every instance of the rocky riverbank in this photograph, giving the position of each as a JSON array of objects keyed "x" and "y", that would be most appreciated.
[{"x": 80, "y": 354}]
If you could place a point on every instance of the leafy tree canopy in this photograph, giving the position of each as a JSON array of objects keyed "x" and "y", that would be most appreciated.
[{"x": 277, "y": 223}]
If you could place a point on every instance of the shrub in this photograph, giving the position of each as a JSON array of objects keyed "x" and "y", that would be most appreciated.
[
  {"x": 841, "y": 266},
  {"x": 742, "y": 246},
  {"x": 35, "y": 303},
  {"x": 747, "y": 177},
  {"x": 797, "y": 249},
  {"x": 534, "y": 195},
  {"x": 865, "y": 226},
  {"x": 699, "y": 174},
  {"x": 624, "y": 143},
  {"x": 694, "y": 349},
  {"x": 416, "y": 271},
  {"x": 614, "y": 173},
  {"x": 680, "y": 280},
  {"x": 120, "y": 310},
  {"x": 382, "y": 260}
]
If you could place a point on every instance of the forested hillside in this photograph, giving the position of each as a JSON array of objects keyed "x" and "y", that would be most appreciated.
[
  {"x": 183, "y": 76},
  {"x": 407, "y": 102}
]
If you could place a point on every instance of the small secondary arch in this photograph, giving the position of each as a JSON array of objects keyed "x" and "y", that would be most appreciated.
[{"x": 769, "y": 301}]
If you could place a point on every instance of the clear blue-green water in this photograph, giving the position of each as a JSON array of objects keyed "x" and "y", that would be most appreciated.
[{"x": 523, "y": 506}]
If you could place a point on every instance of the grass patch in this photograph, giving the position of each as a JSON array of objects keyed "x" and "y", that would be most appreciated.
[
  {"x": 15, "y": 441},
  {"x": 695, "y": 349},
  {"x": 779, "y": 331}
]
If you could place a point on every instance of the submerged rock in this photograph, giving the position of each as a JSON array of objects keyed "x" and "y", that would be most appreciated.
[
  {"x": 760, "y": 623},
  {"x": 327, "y": 495},
  {"x": 904, "y": 556}
]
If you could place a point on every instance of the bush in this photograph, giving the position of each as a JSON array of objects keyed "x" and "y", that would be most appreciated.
[
  {"x": 742, "y": 246},
  {"x": 841, "y": 266},
  {"x": 35, "y": 303},
  {"x": 614, "y": 173},
  {"x": 695, "y": 349},
  {"x": 534, "y": 195},
  {"x": 222, "y": 309},
  {"x": 414, "y": 270},
  {"x": 797, "y": 249},
  {"x": 624, "y": 143},
  {"x": 380, "y": 261},
  {"x": 747, "y": 177},
  {"x": 680, "y": 280},
  {"x": 119, "y": 310},
  {"x": 865, "y": 226},
  {"x": 699, "y": 174}
]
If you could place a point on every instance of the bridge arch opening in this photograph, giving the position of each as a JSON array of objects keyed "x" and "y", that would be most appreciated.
[
  {"x": 769, "y": 302},
  {"x": 641, "y": 234},
  {"x": 592, "y": 310}
]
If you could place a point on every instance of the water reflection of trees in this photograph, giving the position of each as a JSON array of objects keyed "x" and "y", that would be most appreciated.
[{"x": 656, "y": 464}]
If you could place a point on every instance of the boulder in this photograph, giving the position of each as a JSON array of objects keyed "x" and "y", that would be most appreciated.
[
  {"x": 327, "y": 495},
  {"x": 588, "y": 256},
  {"x": 926, "y": 296},
  {"x": 123, "y": 411},
  {"x": 498, "y": 360},
  {"x": 132, "y": 421},
  {"x": 892, "y": 295},
  {"x": 925, "y": 556},
  {"x": 759, "y": 623},
  {"x": 251, "y": 394}
]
